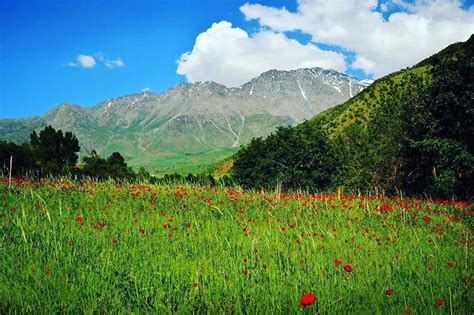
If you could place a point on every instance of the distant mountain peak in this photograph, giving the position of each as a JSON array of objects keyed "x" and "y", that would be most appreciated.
[{"x": 197, "y": 123}]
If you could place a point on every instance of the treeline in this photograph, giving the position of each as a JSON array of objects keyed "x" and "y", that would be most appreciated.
[
  {"x": 420, "y": 141},
  {"x": 54, "y": 153}
]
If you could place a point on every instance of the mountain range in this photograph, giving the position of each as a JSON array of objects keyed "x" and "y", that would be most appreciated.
[{"x": 193, "y": 125}]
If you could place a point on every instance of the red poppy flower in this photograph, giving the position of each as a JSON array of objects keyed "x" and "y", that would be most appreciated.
[
  {"x": 450, "y": 264},
  {"x": 348, "y": 268},
  {"x": 438, "y": 302},
  {"x": 337, "y": 262},
  {"x": 283, "y": 228},
  {"x": 80, "y": 220},
  {"x": 142, "y": 231},
  {"x": 389, "y": 292},
  {"x": 195, "y": 284},
  {"x": 114, "y": 241},
  {"x": 427, "y": 219},
  {"x": 307, "y": 299}
]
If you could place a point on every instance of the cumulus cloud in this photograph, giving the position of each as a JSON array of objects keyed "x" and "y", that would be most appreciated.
[
  {"x": 381, "y": 45},
  {"x": 83, "y": 61},
  {"x": 230, "y": 56},
  {"x": 88, "y": 61}
]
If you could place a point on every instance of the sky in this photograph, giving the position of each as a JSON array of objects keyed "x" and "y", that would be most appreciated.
[{"x": 84, "y": 52}]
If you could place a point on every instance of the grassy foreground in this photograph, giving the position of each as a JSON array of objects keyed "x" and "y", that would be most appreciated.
[{"x": 84, "y": 246}]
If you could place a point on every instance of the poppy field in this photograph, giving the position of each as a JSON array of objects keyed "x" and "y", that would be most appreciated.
[{"x": 80, "y": 246}]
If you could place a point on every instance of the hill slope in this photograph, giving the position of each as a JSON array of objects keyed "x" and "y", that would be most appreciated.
[{"x": 411, "y": 131}]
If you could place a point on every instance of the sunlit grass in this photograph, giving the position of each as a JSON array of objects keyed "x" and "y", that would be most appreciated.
[{"x": 69, "y": 247}]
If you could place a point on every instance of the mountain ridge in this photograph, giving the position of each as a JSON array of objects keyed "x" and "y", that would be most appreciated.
[{"x": 193, "y": 124}]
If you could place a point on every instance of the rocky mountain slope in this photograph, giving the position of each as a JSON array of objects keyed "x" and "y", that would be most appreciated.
[{"x": 193, "y": 125}]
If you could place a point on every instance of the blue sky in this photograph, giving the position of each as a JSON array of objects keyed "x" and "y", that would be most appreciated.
[{"x": 40, "y": 41}]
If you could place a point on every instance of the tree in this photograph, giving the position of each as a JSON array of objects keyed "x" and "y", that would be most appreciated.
[
  {"x": 53, "y": 151},
  {"x": 23, "y": 162},
  {"x": 294, "y": 158}
]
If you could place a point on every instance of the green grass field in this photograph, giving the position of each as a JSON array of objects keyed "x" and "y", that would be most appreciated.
[{"x": 74, "y": 247}]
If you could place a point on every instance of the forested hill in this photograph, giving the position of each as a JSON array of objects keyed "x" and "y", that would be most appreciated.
[{"x": 410, "y": 131}]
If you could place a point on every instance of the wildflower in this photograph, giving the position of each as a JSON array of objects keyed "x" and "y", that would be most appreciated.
[
  {"x": 80, "y": 220},
  {"x": 427, "y": 219},
  {"x": 142, "y": 231},
  {"x": 307, "y": 299},
  {"x": 337, "y": 262},
  {"x": 114, "y": 241},
  {"x": 195, "y": 284},
  {"x": 389, "y": 292},
  {"x": 450, "y": 264},
  {"x": 438, "y": 302},
  {"x": 348, "y": 268},
  {"x": 283, "y": 228}
]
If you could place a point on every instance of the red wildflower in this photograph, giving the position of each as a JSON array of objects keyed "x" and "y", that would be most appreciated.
[
  {"x": 450, "y": 264},
  {"x": 337, "y": 262},
  {"x": 464, "y": 242},
  {"x": 80, "y": 220},
  {"x": 307, "y": 299},
  {"x": 427, "y": 219},
  {"x": 283, "y": 228},
  {"x": 195, "y": 284},
  {"x": 438, "y": 302},
  {"x": 348, "y": 268},
  {"x": 114, "y": 241},
  {"x": 389, "y": 292},
  {"x": 142, "y": 231}
]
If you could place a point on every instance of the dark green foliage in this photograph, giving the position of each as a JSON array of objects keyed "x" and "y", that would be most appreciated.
[
  {"x": 54, "y": 152},
  {"x": 439, "y": 131},
  {"x": 23, "y": 162},
  {"x": 293, "y": 158},
  {"x": 113, "y": 167}
]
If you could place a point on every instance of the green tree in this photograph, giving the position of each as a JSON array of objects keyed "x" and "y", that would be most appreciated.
[
  {"x": 23, "y": 162},
  {"x": 53, "y": 151}
]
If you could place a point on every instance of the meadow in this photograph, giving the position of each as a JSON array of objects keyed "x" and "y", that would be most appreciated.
[{"x": 81, "y": 246}]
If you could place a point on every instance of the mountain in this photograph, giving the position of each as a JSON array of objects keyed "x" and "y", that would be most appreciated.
[{"x": 192, "y": 125}]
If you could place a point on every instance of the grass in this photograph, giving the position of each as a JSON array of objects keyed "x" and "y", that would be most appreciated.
[{"x": 83, "y": 247}]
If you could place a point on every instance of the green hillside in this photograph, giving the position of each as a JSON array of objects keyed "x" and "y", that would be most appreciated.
[
  {"x": 360, "y": 109},
  {"x": 411, "y": 131}
]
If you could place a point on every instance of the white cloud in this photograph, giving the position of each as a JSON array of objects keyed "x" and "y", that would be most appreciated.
[
  {"x": 83, "y": 61},
  {"x": 87, "y": 61},
  {"x": 231, "y": 57},
  {"x": 117, "y": 63},
  {"x": 366, "y": 65},
  {"x": 381, "y": 46},
  {"x": 146, "y": 89}
]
